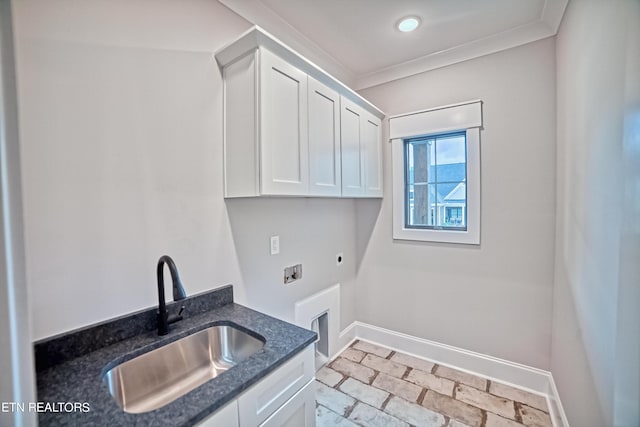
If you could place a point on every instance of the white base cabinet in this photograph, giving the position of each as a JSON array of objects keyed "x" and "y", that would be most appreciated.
[
  {"x": 284, "y": 398},
  {"x": 299, "y": 411},
  {"x": 263, "y": 399},
  {"x": 225, "y": 417}
]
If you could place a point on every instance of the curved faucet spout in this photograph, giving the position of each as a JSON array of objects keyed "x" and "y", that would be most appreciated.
[{"x": 178, "y": 294}]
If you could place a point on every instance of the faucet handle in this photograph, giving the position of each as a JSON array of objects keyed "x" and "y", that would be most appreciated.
[{"x": 172, "y": 318}]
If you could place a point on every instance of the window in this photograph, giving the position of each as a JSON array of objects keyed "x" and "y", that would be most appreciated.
[
  {"x": 436, "y": 174},
  {"x": 435, "y": 179}
]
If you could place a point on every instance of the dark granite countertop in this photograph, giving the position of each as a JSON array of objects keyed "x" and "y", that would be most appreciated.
[{"x": 66, "y": 375}]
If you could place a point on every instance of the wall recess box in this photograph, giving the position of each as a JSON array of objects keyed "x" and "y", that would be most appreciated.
[{"x": 292, "y": 273}]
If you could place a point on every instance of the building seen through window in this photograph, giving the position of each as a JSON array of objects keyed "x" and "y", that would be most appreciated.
[{"x": 436, "y": 175}]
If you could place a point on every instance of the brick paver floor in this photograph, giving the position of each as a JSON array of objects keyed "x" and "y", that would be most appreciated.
[{"x": 372, "y": 386}]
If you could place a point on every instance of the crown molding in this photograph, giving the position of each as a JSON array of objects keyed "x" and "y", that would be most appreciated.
[
  {"x": 552, "y": 13},
  {"x": 258, "y": 14},
  {"x": 546, "y": 26},
  {"x": 475, "y": 49}
]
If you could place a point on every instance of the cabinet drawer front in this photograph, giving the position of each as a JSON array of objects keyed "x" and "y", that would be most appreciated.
[
  {"x": 227, "y": 417},
  {"x": 299, "y": 411},
  {"x": 263, "y": 399}
]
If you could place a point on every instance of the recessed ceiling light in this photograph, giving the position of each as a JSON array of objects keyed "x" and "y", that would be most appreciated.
[{"x": 408, "y": 24}]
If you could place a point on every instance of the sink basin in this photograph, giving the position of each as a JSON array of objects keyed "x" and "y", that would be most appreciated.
[{"x": 159, "y": 377}]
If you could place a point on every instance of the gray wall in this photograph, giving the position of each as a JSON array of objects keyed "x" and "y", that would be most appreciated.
[
  {"x": 121, "y": 121},
  {"x": 596, "y": 345},
  {"x": 494, "y": 298}
]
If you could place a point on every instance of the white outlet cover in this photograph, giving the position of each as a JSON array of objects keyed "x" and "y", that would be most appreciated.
[{"x": 275, "y": 245}]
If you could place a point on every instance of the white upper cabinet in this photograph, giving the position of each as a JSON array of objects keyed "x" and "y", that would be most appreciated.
[
  {"x": 284, "y": 136},
  {"x": 324, "y": 140},
  {"x": 352, "y": 149},
  {"x": 291, "y": 129},
  {"x": 372, "y": 146},
  {"x": 361, "y": 152}
]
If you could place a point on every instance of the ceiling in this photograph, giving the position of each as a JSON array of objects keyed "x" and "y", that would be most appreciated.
[{"x": 361, "y": 38}]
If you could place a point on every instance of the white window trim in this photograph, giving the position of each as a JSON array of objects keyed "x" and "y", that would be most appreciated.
[{"x": 465, "y": 116}]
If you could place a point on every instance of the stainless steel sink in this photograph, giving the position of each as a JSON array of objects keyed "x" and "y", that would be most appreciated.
[{"x": 160, "y": 376}]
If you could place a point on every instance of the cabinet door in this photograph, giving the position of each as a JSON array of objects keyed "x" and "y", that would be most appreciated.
[
  {"x": 352, "y": 153},
  {"x": 264, "y": 398},
  {"x": 324, "y": 140},
  {"x": 299, "y": 411},
  {"x": 284, "y": 156},
  {"x": 371, "y": 143},
  {"x": 225, "y": 417}
]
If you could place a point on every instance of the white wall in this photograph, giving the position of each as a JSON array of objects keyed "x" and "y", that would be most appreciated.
[
  {"x": 121, "y": 122},
  {"x": 16, "y": 356},
  {"x": 596, "y": 346},
  {"x": 312, "y": 232},
  {"x": 494, "y": 298}
]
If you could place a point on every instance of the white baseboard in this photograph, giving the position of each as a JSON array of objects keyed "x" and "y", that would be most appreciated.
[
  {"x": 534, "y": 380},
  {"x": 347, "y": 336},
  {"x": 556, "y": 411}
]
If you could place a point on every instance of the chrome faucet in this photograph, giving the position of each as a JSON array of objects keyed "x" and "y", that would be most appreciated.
[{"x": 164, "y": 319}]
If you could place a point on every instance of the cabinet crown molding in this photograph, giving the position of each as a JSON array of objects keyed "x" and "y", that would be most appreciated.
[{"x": 256, "y": 37}]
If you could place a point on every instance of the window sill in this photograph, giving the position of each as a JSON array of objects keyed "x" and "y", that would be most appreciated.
[{"x": 438, "y": 236}]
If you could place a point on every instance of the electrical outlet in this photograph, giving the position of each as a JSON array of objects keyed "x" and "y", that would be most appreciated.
[
  {"x": 339, "y": 259},
  {"x": 275, "y": 245}
]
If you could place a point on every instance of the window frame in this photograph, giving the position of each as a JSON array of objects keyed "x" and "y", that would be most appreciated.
[
  {"x": 407, "y": 214},
  {"x": 465, "y": 117}
]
